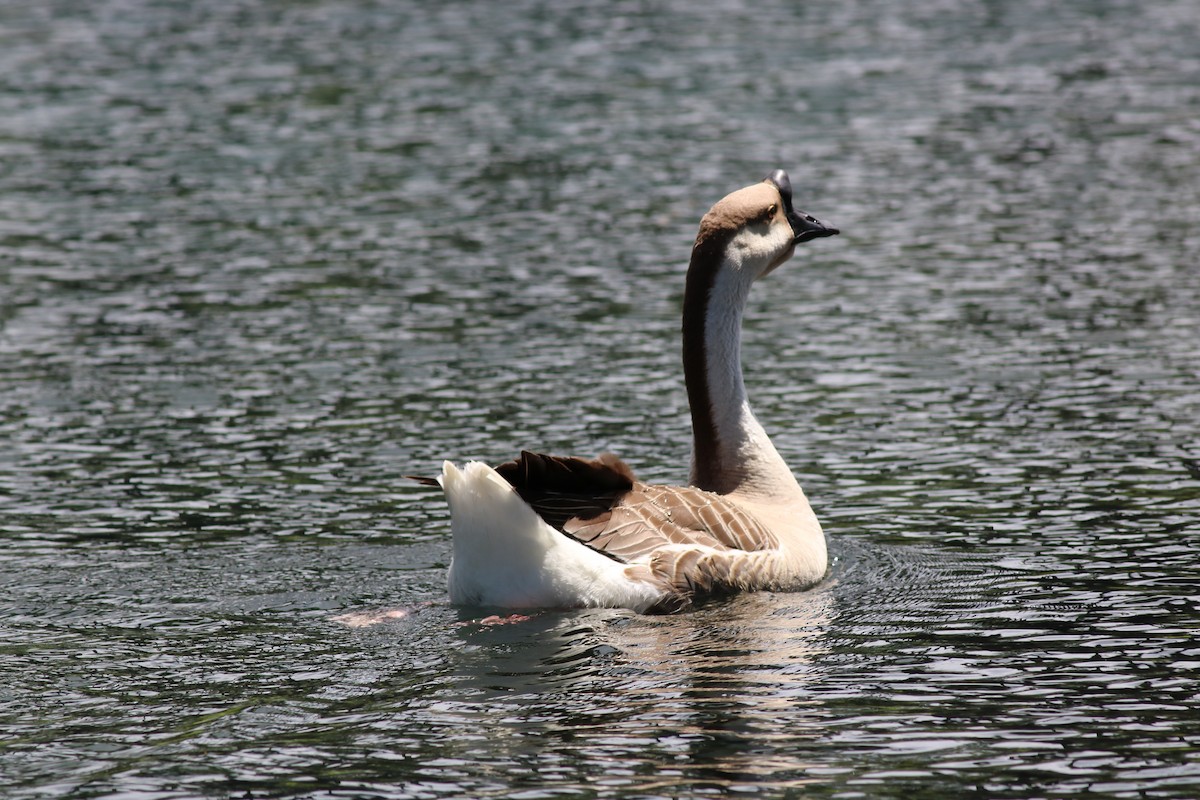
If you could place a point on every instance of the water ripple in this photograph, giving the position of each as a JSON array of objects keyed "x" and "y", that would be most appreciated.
[{"x": 262, "y": 260}]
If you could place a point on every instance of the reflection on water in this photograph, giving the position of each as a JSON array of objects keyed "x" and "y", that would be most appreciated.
[
  {"x": 638, "y": 703},
  {"x": 260, "y": 260}
]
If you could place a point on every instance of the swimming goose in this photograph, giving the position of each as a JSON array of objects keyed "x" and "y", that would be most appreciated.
[{"x": 547, "y": 531}]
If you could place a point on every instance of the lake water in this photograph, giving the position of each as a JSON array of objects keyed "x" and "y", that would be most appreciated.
[{"x": 259, "y": 260}]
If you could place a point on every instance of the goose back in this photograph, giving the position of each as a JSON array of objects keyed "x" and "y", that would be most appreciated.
[{"x": 691, "y": 540}]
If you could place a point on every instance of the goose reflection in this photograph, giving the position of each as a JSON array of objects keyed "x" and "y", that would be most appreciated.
[{"x": 694, "y": 696}]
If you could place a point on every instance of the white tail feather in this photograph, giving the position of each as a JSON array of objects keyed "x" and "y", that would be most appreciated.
[{"x": 506, "y": 555}]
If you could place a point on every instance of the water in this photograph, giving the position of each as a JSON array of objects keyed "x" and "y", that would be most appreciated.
[{"x": 260, "y": 260}]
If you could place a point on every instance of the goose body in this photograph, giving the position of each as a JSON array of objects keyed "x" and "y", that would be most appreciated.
[{"x": 556, "y": 532}]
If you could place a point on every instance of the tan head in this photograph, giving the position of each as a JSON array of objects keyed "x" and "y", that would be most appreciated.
[{"x": 756, "y": 227}]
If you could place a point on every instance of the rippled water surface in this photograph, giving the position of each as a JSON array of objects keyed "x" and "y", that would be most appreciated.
[{"x": 260, "y": 260}]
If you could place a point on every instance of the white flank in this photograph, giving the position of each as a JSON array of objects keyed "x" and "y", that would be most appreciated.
[{"x": 505, "y": 555}]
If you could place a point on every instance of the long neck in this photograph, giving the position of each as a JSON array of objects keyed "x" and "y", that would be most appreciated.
[{"x": 731, "y": 452}]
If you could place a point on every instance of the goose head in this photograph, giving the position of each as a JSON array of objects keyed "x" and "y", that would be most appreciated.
[{"x": 756, "y": 229}]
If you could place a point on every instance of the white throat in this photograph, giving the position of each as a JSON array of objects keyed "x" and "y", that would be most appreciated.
[{"x": 747, "y": 461}]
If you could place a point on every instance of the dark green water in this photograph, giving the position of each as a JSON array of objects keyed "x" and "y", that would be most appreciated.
[{"x": 260, "y": 260}]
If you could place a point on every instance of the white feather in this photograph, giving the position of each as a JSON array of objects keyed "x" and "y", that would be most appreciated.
[{"x": 505, "y": 555}]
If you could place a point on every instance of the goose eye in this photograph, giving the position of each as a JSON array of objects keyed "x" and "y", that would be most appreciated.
[{"x": 770, "y": 211}]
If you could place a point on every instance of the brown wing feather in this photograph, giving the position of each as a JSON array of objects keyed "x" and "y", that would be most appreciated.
[
  {"x": 561, "y": 488},
  {"x": 650, "y": 517}
]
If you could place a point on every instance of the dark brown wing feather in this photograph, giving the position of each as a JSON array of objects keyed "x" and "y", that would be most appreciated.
[
  {"x": 423, "y": 480},
  {"x": 560, "y": 488}
]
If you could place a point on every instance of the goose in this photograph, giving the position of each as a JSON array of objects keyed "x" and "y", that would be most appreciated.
[{"x": 545, "y": 531}]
